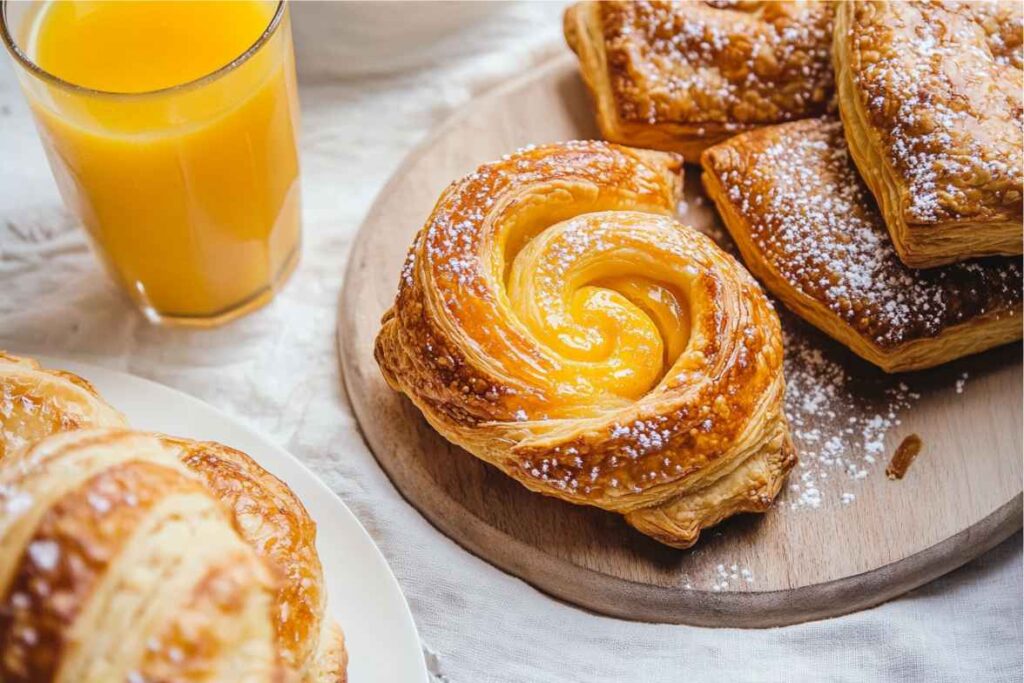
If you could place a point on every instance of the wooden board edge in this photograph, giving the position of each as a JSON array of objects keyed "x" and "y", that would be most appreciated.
[{"x": 631, "y": 601}]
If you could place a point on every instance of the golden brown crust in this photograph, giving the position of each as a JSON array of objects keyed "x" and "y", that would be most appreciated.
[
  {"x": 930, "y": 94},
  {"x": 127, "y": 554},
  {"x": 682, "y": 76},
  {"x": 808, "y": 228},
  {"x": 271, "y": 519},
  {"x": 36, "y": 402},
  {"x": 554, "y": 320},
  {"x": 206, "y": 638},
  {"x": 92, "y": 571}
]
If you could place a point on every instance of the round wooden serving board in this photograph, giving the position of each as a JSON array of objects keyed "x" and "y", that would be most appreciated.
[{"x": 842, "y": 536}]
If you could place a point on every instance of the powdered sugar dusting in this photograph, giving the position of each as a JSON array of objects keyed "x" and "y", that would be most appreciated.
[
  {"x": 45, "y": 554},
  {"x": 840, "y": 409},
  {"x": 452, "y": 236},
  {"x": 814, "y": 223},
  {"x": 941, "y": 84},
  {"x": 721, "y": 63},
  {"x": 838, "y": 426},
  {"x": 14, "y": 502},
  {"x": 725, "y": 576}
]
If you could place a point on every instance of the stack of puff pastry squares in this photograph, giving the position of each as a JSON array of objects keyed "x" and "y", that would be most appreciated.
[{"x": 864, "y": 156}]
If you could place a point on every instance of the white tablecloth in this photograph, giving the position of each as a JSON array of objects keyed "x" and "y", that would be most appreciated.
[{"x": 277, "y": 370}]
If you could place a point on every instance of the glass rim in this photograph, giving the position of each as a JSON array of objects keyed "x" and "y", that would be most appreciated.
[{"x": 28, "y": 64}]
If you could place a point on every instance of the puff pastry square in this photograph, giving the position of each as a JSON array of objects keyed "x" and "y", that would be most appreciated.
[
  {"x": 682, "y": 76},
  {"x": 810, "y": 230},
  {"x": 930, "y": 95}
]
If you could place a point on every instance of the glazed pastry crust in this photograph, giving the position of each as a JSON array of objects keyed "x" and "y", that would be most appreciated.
[
  {"x": 74, "y": 494},
  {"x": 808, "y": 228},
  {"x": 272, "y": 520},
  {"x": 36, "y": 402},
  {"x": 130, "y": 554},
  {"x": 556, "y": 322},
  {"x": 686, "y": 75},
  {"x": 930, "y": 95},
  {"x": 95, "y": 583}
]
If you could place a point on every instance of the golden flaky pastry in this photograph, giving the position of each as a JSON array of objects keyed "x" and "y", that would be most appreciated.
[
  {"x": 930, "y": 94},
  {"x": 272, "y": 520},
  {"x": 36, "y": 402},
  {"x": 682, "y": 76},
  {"x": 554, "y": 320},
  {"x": 127, "y": 556},
  {"x": 808, "y": 228}
]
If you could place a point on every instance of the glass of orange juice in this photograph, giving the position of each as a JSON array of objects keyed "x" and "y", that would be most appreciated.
[{"x": 171, "y": 128}]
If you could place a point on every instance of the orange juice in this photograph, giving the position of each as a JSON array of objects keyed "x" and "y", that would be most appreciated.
[{"x": 171, "y": 129}]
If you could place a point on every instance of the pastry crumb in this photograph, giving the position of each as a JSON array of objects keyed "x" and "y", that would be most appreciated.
[{"x": 905, "y": 453}]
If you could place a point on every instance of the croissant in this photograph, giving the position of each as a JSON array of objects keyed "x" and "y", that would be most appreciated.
[
  {"x": 682, "y": 76},
  {"x": 554, "y": 320},
  {"x": 36, "y": 402},
  {"x": 127, "y": 556},
  {"x": 808, "y": 228},
  {"x": 930, "y": 95}
]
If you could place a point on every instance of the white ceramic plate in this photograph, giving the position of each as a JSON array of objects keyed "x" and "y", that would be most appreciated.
[{"x": 363, "y": 594}]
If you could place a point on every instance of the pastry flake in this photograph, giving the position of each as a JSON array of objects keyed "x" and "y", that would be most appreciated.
[
  {"x": 810, "y": 230},
  {"x": 931, "y": 97},
  {"x": 554, "y": 320},
  {"x": 682, "y": 76}
]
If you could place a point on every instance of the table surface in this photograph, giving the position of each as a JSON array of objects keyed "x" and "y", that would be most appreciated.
[{"x": 277, "y": 371}]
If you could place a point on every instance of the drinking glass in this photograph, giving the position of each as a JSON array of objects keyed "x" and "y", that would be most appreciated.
[{"x": 190, "y": 193}]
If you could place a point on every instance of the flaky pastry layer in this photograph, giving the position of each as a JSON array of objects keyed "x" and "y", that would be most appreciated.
[
  {"x": 810, "y": 230},
  {"x": 682, "y": 76},
  {"x": 133, "y": 556},
  {"x": 556, "y": 322},
  {"x": 36, "y": 402},
  {"x": 96, "y": 581},
  {"x": 69, "y": 491},
  {"x": 931, "y": 97},
  {"x": 272, "y": 520}
]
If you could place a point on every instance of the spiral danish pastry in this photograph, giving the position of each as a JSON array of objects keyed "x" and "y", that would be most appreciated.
[{"x": 554, "y": 320}]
